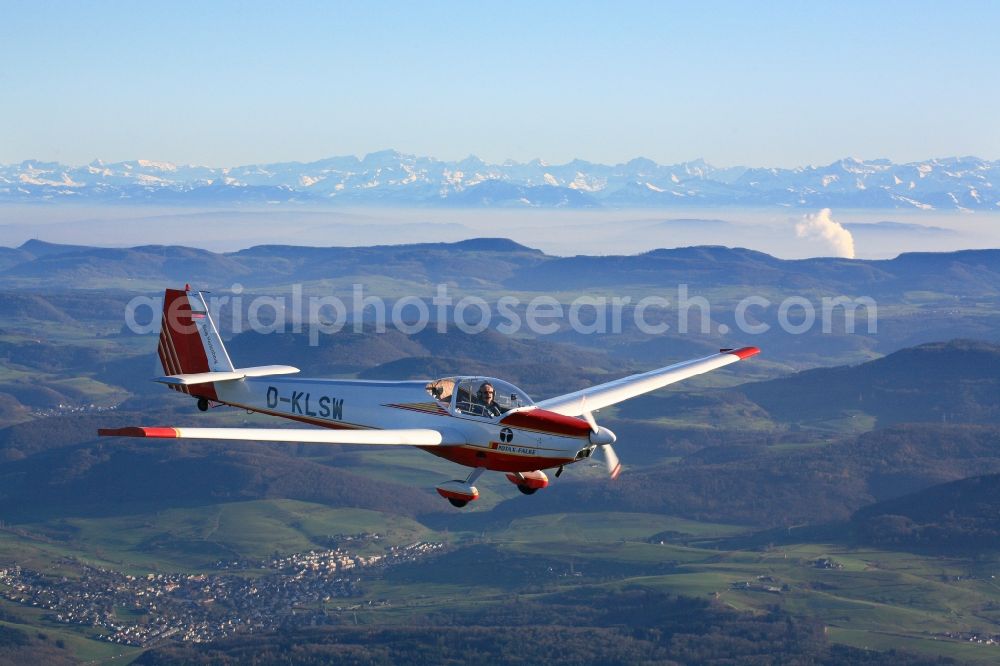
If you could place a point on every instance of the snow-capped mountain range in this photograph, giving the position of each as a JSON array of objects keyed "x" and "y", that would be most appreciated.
[{"x": 392, "y": 178}]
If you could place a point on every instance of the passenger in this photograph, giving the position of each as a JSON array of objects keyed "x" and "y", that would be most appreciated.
[{"x": 484, "y": 397}]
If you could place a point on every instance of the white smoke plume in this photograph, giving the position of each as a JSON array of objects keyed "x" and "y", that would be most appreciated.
[{"x": 820, "y": 226}]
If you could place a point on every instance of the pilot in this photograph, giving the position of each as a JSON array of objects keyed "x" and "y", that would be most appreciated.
[{"x": 484, "y": 397}]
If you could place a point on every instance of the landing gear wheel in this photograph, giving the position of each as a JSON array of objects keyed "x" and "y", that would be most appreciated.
[
  {"x": 203, "y": 404},
  {"x": 457, "y": 502},
  {"x": 527, "y": 490}
]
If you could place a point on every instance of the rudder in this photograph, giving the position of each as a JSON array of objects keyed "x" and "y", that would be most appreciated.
[{"x": 189, "y": 342}]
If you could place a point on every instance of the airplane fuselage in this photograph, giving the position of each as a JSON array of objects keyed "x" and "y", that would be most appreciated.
[{"x": 522, "y": 440}]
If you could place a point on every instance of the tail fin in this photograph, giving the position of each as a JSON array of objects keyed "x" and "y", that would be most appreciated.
[{"x": 189, "y": 341}]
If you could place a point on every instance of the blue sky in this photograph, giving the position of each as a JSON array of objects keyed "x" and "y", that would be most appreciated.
[{"x": 762, "y": 84}]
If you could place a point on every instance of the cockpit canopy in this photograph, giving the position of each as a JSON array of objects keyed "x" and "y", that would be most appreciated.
[{"x": 466, "y": 395}]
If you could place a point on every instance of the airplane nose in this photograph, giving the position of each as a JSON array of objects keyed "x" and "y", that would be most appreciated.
[{"x": 602, "y": 436}]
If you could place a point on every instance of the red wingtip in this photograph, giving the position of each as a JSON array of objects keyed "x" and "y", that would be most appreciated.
[
  {"x": 134, "y": 431},
  {"x": 745, "y": 352}
]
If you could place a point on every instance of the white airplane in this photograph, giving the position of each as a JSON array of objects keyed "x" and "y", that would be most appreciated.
[{"x": 454, "y": 418}]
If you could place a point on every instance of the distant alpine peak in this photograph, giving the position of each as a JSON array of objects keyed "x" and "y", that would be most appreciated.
[
  {"x": 390, "y": 177},
  {"x": 159, "y": 166}
]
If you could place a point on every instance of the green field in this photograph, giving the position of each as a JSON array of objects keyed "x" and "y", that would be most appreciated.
[
  {"x": 192, "y": 539},
  {"x": 878, "y": 599}
]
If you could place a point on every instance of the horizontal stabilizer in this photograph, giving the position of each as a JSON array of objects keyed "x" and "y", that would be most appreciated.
[
  {"x": 238, "y": 373},
  {"x": 398, "y": 437}
]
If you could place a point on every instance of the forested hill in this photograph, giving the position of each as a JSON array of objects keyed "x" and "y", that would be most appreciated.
[
  {"x": 944, "y": 382},
  {"x": 496, "y": 263},
  {"x": 963, "y": 515},
  {"x": 58, "y": 466},
  {"x": 756, "y": 485},
  {"x": 953, "y": 382}
]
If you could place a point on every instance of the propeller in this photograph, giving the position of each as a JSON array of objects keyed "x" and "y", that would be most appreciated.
[{"x": 603, "y": 439}]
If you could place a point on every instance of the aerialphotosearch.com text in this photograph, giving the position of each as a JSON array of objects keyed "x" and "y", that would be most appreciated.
[{"x": 654, "y": 314}]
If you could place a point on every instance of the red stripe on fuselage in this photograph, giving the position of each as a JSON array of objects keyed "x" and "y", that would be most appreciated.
[
  {"x": 334, "y": 425},
  {"x": 496, "y": 461}
]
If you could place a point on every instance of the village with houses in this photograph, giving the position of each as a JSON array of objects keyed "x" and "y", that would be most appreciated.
[{"x": 241, "y": 597}]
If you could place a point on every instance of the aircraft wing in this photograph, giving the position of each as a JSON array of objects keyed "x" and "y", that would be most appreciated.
[
  {"x": 603, "y": 395},
  {"x": 399, "y": 437}
]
